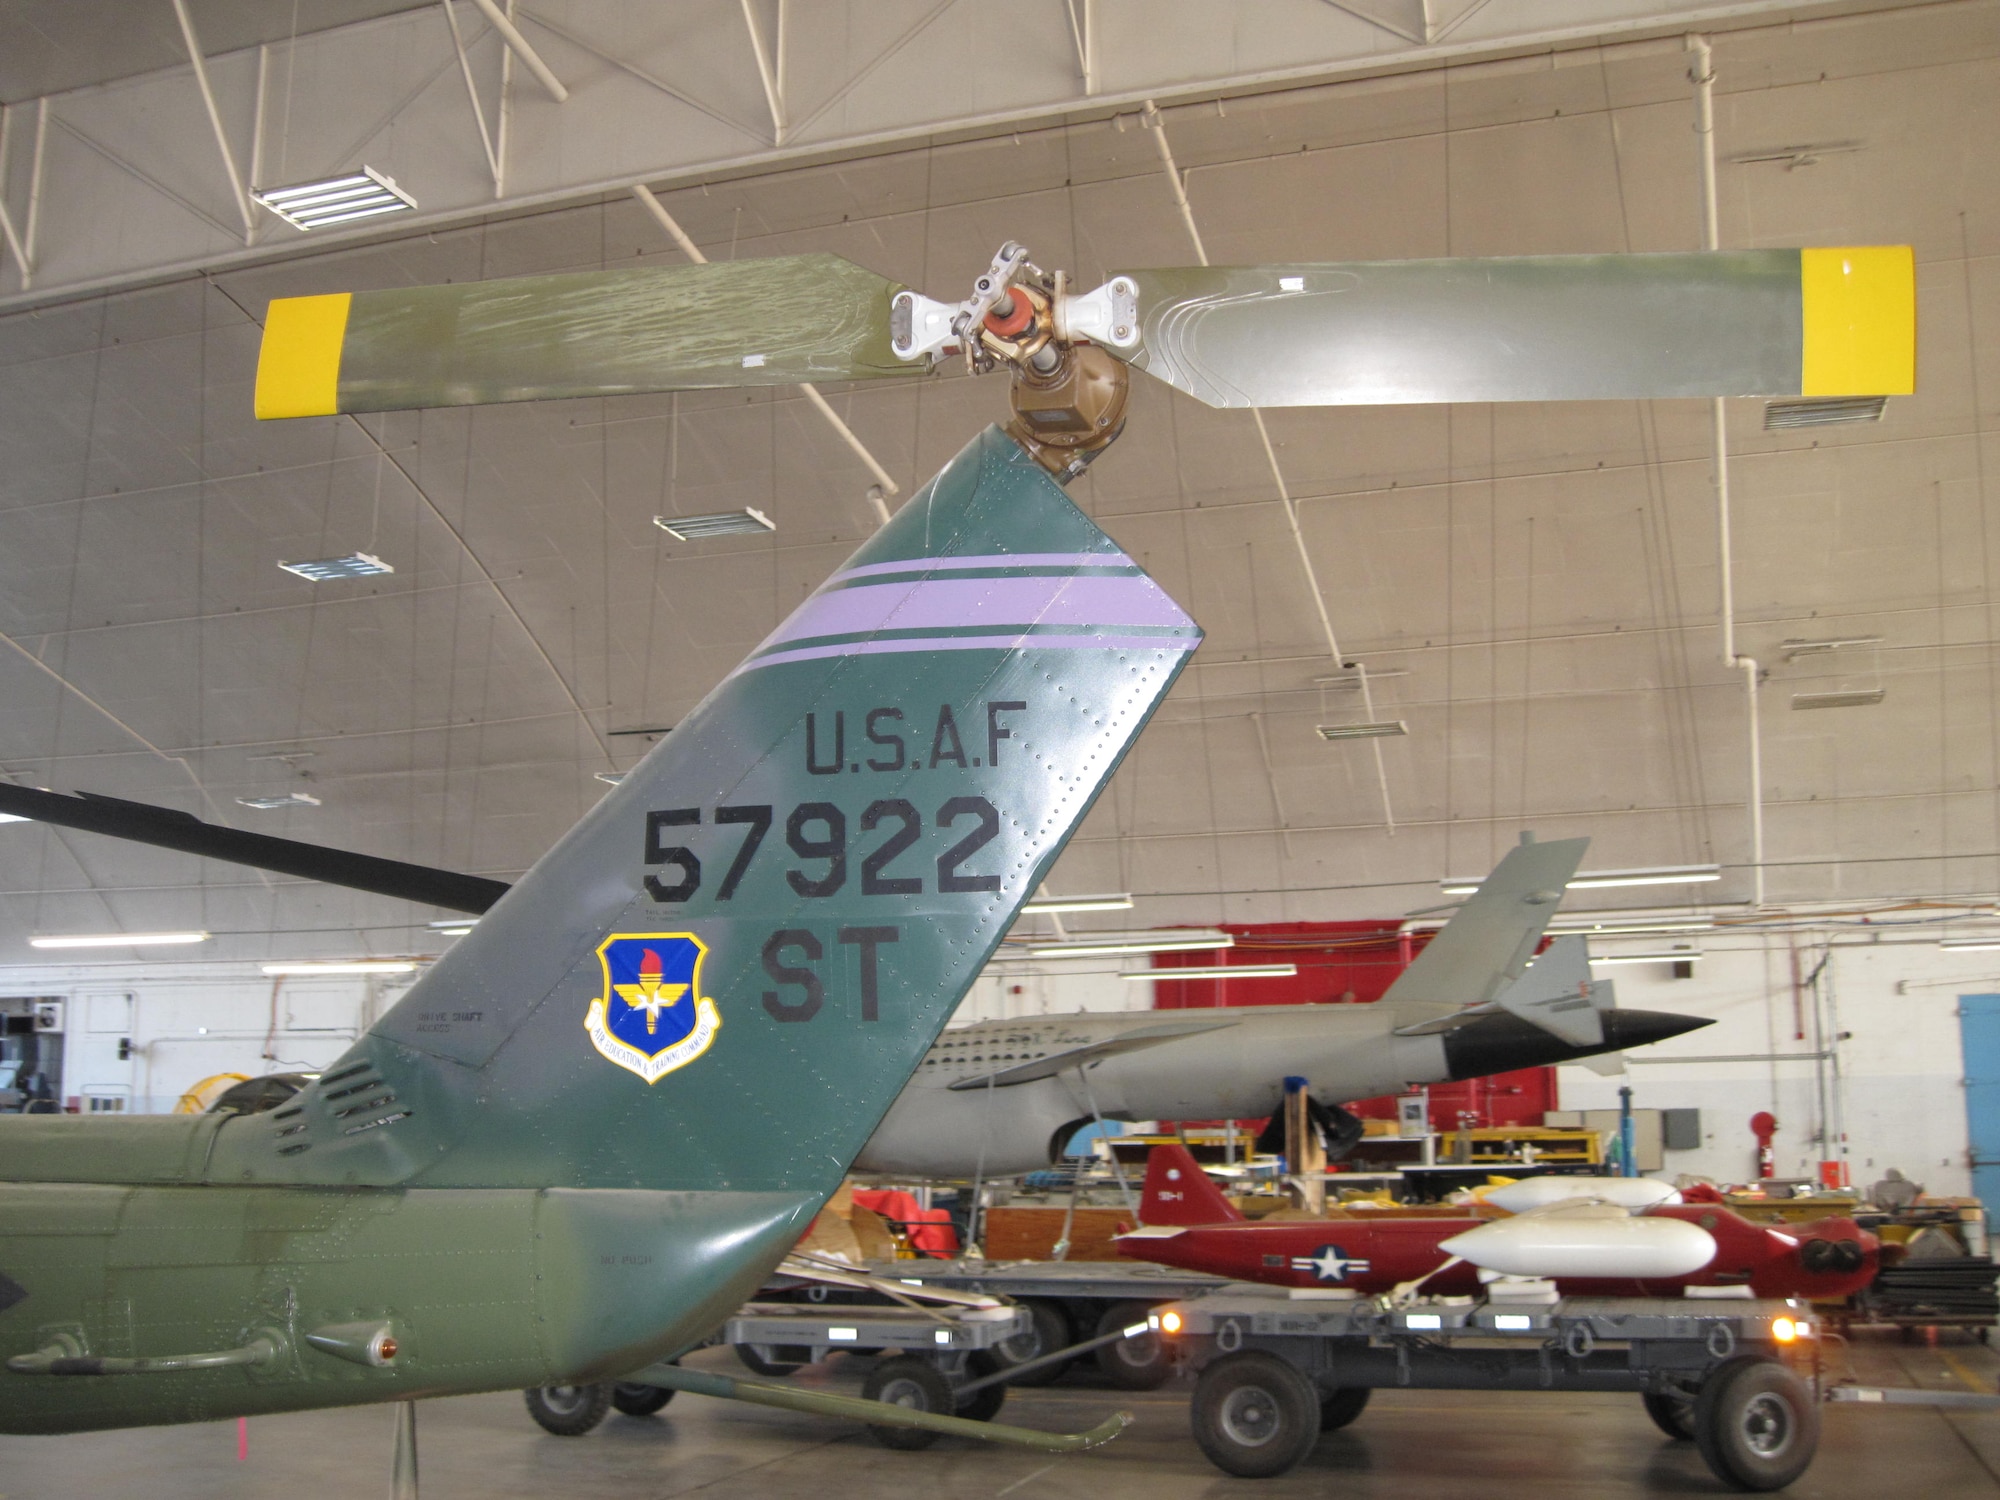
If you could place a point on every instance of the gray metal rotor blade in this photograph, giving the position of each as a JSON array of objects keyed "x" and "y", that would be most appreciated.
[{"x": 1534, "y": 328}]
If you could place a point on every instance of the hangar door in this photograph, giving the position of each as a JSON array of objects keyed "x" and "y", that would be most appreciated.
[{"x": 1979, "y": 1031}]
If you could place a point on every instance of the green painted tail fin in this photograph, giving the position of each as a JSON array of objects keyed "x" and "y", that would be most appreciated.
[{"x": 722, "y": 976}]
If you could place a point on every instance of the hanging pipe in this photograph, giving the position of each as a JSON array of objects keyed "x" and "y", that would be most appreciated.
[{"x": 1701, "y": 73}]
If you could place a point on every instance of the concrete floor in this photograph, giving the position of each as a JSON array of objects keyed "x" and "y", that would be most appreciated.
[{"x": 1407, "y": 1446}]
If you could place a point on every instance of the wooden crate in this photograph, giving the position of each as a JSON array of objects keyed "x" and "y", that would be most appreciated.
[{"x": 1031, "y": 1233}]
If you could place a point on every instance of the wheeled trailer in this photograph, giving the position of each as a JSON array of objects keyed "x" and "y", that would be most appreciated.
[
  {"x": 946, "y": 1365},
  {"x": 1275, "y": 1371},
  {"x": 1071, "y": 1303}
]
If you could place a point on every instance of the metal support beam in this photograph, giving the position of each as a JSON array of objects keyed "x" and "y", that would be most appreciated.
[
  {"x": 1154, "y": 122},
  {"x": 215, "y": 121},
  {"x": 1082, "y": 23},
  {"x": 6, "y": 219},
  {"x": 693, "y": 252},
  {"x": 766, "y": 72},
  {"x": 1701, "y": 73},
  {"x": 518, "y": 45},
  {"x": 257, "y": 128},
  {"x": 501, "y": 130},
  {"x": 35, "y": 191},
  {"x": 472, "y": 93}
]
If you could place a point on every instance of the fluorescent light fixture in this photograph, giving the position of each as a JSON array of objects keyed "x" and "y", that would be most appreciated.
[
  {"x": 13, "y": 818},
  {"x": 609, "y": 778},
  {"x": 1112, "y": 943},
  {"x": 1045, "y": 905},
  {"x": 1346, "y": 680},
  {"x": 354, "y": 966},
  {"x": 447, "y": 929},
  {"x": 289, "y": 799},
  {"x": 1793, "y": 157},
  {"x": 1861, "y": 699},
  {"x": 1219, "y": 971},
  {"x": 326, "y": 569},
  {"x": 722, "y": 523},
  {"x": 1823, "y": 411},
  {"x": 366, "y": 194},
  {"x": 1971, "y": 945},
  {"x": 1362, "y": 731},
  {"x": 117, "y": 939},
  {"x": 1615, "y": 928},
  {"x": 1795, "y": 649},
  {"x": 1597, "y": 880},
  {"x": 1673, "y": 956},
  {"x": 1600, "y": 880},
  {"x": 453, "y": 922}
]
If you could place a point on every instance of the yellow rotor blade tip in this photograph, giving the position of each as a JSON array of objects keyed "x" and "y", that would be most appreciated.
[
  {"x": 298, "y": 368},
  {"x": 1860, "y": 321}
]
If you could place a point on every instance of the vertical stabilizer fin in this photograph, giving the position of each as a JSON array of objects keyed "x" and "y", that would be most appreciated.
[
  {"x": 1177, "y": 1191},
  {"x": 721, "y": 978},
  {"x": 1489, "y": 940}
]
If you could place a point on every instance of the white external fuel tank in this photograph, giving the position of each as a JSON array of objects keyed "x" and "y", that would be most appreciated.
[
  {"x": 1586, "y": 1240},
  {"x": 1539, "y": 1192}
]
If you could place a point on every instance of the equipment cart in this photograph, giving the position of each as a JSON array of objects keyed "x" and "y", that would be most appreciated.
[
  {"x": 946, "y": 1365},
  {"x": 1275, "y": 1371},
  {"x": 1072, "y": 1303}
]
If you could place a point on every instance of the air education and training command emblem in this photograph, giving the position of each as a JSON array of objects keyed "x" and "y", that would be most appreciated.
[{"x": 652, "y": 1017}]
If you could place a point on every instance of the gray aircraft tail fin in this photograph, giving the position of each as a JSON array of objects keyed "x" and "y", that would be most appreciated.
[
  {"x": 1489, "y": 940},
  {"x": 1557, "y": 994}
]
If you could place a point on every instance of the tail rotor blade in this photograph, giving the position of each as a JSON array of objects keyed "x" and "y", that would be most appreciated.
[
  {"x": 594, "y": 333},
  {"x": 1838, "y": 322}
]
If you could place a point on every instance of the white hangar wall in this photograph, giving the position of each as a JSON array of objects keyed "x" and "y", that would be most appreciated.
[
  {"x": 1890, "y": 1004},
  {"x": 1894, "y": 1080}
]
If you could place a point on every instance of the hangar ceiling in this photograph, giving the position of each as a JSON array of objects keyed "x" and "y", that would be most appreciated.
[{"x": 1532, "y": 588}]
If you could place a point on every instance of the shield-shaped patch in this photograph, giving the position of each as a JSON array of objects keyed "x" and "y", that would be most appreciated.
[{"x": 652, "y": 1017}]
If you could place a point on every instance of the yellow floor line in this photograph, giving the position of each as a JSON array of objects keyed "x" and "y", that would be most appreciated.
[{"x": 1959, "y": 1368}]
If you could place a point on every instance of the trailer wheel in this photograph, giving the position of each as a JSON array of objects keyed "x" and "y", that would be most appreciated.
[
  {"x": 1254, "y": 1415},
  {"x": 1338, "y": 1408},
  {"x": 568, "y": 1410},
  {"x": 1050, "y": 1333},
  {"x": 916, "y": 1383},
  {"x": 639, "y": 1400},
  {"x": 1672, "y": 1413},
  {"x": 984, "y": 1404},
  {"x": 757, "y": 1364},
  {"x": 1756, "y": 1424},
  {"x": 1139, "y": 1363}
]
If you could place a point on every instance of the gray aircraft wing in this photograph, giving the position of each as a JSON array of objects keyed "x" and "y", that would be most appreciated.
[
  {"x": 1076, "y": 1057},
  {"x": 1489, "y": 940}
]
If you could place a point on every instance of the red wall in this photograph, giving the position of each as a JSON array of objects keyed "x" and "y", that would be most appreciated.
[{"x": 1348, "y": 963}]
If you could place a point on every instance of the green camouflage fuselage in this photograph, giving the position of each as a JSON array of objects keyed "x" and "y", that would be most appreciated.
[{"x": 592, "y": 1128}]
